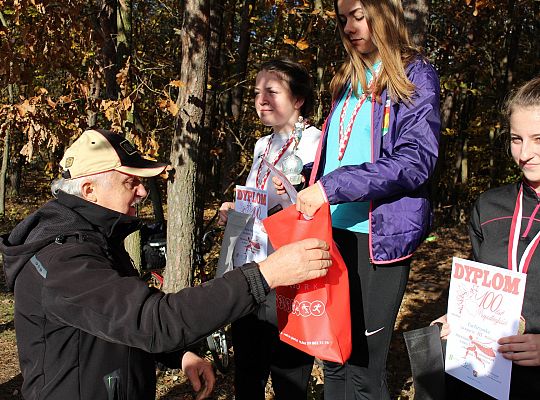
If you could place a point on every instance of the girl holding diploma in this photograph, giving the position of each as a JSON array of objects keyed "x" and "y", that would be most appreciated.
[
  {"x": 283, "y": 93},
  {"x": 378, "y": 151},
  {"x": 499, "y": 216}
]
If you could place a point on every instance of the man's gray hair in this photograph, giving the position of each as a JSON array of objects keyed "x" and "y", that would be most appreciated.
[{"x": 73, "y": 186}]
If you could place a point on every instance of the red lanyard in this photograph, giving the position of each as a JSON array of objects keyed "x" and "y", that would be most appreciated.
[
  {"x": 345, "y": 135},
  {"x": 513, "y": 240},
  {"x": 282, "y": 151}
]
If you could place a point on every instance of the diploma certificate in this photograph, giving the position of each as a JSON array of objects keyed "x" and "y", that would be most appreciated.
[
  {"x": 484, "y": 304},
  {"x": 252, "y": 244}
]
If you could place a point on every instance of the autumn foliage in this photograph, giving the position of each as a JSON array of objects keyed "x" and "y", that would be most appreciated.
[{"x": 61, "y": 71}]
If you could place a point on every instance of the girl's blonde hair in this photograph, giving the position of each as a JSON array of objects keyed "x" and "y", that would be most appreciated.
[
  {"x": 525, "y": 96},
  {"x": 386, "y": 23}
]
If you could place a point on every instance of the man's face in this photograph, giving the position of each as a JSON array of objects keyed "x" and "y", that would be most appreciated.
[{"x": 120, "y": 193}]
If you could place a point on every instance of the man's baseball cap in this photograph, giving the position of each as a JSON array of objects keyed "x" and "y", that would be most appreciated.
[{"x": 98, "y": 150}]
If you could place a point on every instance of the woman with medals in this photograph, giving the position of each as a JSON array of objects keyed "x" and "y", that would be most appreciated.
[
  {"x": 505, "y": 232},
  {"x": 283, "y": 98},
  {"x": 379, "y": 149}
]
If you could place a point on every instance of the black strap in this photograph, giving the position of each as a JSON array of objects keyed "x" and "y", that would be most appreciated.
[{"x": 427, "y": 362}]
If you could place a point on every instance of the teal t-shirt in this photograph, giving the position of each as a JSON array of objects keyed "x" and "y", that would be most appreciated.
[{"x": 353, "y": 216}]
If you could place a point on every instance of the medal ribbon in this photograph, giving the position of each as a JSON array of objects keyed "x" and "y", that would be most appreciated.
[
  {"x": 513, "y": 239},
  {"x": 260, "y": 185},
  {"x": 345, "y": 135}
]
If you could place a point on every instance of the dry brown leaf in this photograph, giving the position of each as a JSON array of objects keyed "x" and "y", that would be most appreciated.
[
  {"x": 177, "y": 83},
  {"x": 302, "y": 44},
  {"x": 173, "y": 108}
]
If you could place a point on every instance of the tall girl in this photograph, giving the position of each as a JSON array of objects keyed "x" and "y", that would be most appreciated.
[{"x": 377, "y": 154}]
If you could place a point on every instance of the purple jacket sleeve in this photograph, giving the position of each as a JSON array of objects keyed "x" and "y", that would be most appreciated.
[{"x": 409, "y": 150}]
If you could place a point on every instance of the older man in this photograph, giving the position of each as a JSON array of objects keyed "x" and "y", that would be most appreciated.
[{"x": 87, "y": 327}]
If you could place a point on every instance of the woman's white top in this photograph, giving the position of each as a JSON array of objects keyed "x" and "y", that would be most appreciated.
[{"x": 306, "y": 151}]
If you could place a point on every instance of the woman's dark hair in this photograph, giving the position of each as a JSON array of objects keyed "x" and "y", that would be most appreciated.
[{"x": 298, "y": 78}]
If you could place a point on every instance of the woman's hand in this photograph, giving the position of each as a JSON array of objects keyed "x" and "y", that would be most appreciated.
[
  {"x": 310, "y": 200},
  {"x": 224, "y": 212},
  {"x": 280, "y": 187},
  {"x": 523, "y": 350},
  {"x": 445, "y": 327}
]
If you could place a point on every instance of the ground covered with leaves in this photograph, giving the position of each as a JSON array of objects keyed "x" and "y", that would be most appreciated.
[{"x": 424, "y": 301}]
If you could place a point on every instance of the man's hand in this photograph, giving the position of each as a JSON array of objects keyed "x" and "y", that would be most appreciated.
[
  {"x": 445, "y": 328},
  {"x": 296, "y": 262},
  {"x": 224, "y": 212},
  {"x": 196, "y": 368},
  {"x": 523, "y": 350},
  {"x": 310, "y": 200}
]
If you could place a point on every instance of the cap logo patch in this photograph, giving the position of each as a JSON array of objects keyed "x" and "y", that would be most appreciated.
[
  {"x": 69, "y": 162},
  {"x": 128, "y": 147}
]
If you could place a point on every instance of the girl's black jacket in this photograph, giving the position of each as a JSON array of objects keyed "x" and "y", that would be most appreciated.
[
  {"x": 489, "y": 229},
  {"x": 87, "y": 327}
]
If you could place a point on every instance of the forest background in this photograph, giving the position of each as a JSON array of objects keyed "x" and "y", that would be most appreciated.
[{"x": 176, "y": 77}]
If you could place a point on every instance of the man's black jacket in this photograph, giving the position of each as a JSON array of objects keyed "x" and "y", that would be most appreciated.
[{"x": 87, "y": 327}]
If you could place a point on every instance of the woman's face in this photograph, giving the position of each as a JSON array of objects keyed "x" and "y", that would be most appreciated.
[
  {"x": 275, "y": 104},
  {"x": 355, "y": 26},
  {"x": 525, "y": 142}
]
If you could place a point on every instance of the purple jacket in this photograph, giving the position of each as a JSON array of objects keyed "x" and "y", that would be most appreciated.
[{"x": 395, "y": 182}]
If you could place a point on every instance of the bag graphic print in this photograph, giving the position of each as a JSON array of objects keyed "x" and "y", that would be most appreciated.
[{"x": 313, "y": 316}]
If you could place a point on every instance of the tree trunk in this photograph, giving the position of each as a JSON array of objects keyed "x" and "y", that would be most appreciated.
[
  {"x": 6, "y": 152},
  {"x": 181, "y": 191},
  {"x": 512, "y": 47},
  {"x": 208, "y": 173},
  {"x": 132, "y": 243},
  {"x": 439, "y": 192},
  {"x": 93, "y": 97},
  {"x": 16, "y": 163},
  {"x": 3, "y": 174},
  {"x": 123, "y": 24},
  {"x": 319, "y": 91},
  {"x": 156, "y": 198},
  {"x": 242, "y": 62},
  {"x": 230, "y": 153},
  {"x": 107, "y": 33},
  {"x": 465, "y": 162}
]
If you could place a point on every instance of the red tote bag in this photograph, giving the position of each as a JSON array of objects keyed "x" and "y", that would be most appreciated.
[{"x": 313, "y": 316}]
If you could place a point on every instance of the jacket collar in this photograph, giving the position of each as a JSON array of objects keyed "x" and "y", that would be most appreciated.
[
  {"x": 112, "y": 224},
  {"x": 530, "y": 190}
]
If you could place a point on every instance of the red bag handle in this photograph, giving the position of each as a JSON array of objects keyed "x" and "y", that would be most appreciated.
[{"x": 276, "y": 223}]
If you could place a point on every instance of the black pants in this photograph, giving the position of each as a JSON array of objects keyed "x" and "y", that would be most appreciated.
[
  {"x": 376, "y": 293},
  {"x": 258, "y": 353}
]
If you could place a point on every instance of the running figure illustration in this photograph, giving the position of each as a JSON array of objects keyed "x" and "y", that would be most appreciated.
[
  {"x": 252, "y": 246},
  {"x": 476, "y": 346}
]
